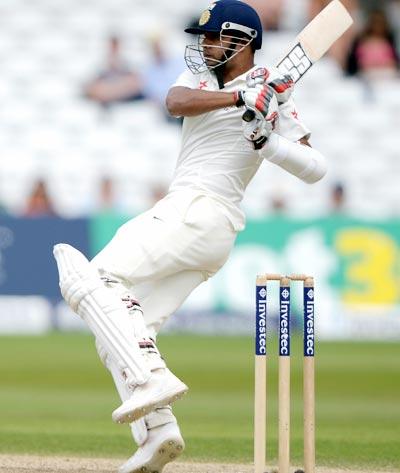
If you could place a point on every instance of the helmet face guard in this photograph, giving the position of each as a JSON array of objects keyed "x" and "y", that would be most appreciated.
[{"x": 234, "y": 38}]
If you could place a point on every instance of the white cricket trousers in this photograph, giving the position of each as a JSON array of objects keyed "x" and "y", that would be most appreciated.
[{"x": 166, "y": 252}]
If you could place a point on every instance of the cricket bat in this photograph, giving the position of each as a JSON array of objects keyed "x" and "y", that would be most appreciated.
[{"x": 313, "y": 42}]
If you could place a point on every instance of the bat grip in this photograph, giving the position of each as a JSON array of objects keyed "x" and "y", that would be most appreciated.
[{"x": 248, "y": 116}]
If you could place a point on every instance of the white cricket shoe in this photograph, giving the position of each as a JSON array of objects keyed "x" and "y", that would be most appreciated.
[
  {"x": 161, "y": 389},
  {"x": 163, "y": 445}
]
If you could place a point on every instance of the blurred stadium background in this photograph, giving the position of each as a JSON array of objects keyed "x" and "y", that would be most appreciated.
[{"x": 85, "y": 143}]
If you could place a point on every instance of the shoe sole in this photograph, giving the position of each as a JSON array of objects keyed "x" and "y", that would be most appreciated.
[
  {"x": 167, "y": 452},
  {"x": 140, "y": 412}
]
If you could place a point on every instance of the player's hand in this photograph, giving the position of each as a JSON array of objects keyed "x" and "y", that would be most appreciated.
[
  {"x": 259, "y": 130},
  {"x": 257, "y": 77},
  {"x": 258, "y": 99},
  {"x": 283, "y": 86}
]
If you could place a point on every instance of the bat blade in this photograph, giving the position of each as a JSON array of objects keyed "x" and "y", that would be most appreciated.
[
  {"x": 312, "y": 43},
  {"x": 316, "y": 39},
  {"x": 327, "y": 27}
]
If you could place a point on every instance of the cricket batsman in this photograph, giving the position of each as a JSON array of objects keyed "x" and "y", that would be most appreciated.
[{"x": 127, "y": 292}]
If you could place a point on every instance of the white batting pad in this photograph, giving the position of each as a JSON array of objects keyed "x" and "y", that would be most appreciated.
[
  {"x": 102, "y": 310},
  {"x": 327, "y": 27},
  {"x": 138, "y": 427}
]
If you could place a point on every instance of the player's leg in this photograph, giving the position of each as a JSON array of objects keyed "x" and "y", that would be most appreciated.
[
  {"x": 162, "y": 298},
  {"x": 146, "y": 343},
  {"x": 157, "y": 434},
  {"x": 163, "y": 242},
  {"x": 164, "y": 442},
  {"x": 157, "y": 249},
  {"x": 139, "y": 431},
  {"x": 170, "y": 238},
  {"x": 152, "y": 385}
]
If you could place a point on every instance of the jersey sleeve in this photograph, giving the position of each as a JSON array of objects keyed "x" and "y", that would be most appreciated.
[
  {"x": 186, "y": 79},
  {"x": 289, "y": 124}
]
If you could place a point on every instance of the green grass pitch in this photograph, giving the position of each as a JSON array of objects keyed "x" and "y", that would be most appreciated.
[{"x": 56, "y": 398}]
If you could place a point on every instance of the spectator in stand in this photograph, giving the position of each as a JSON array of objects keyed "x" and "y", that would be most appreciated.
[
  {"x": 340, "y": 49},
  {"x": 117, "y": 82},
  {"x": 161, "y": 74},
  {"x": 106, "y": 200},
  {"x": 337, "y": 198},
  {"x": 373, "y": 53},
  {"x": 39, "y": 203},
  {"x": 278, "y": 204}
]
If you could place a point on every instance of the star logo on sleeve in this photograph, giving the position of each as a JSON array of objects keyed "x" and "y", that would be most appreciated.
[
  {"x": 203, "y": 84},
  {"x": 295, "y": 115}
]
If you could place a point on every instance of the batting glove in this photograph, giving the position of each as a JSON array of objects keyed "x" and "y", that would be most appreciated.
[
  {"x": 282, "y": 84},
  {"x": 259, "y": 130},
  {"x": 283, "y": 87},
  {"x": 257, "y": 77},
  {"x": 258, "y": 99}
]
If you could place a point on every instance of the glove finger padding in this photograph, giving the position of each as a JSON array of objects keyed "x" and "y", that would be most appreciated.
[
  {"x": 258, "y": 99},
  {"x": 258, "y": 130},
  {"x": 282, "y": 84},
  {"x": 283, "y": 87},
  {"x": 257, "y": 77}
]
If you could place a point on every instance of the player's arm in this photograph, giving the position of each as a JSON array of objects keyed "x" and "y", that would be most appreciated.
[
  {"x": 299, "y": 159},
  {"x": 186, "y": 102}
]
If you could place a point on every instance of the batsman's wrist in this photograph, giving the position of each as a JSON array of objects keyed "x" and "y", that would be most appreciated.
[{"x": 238, "y": 97}]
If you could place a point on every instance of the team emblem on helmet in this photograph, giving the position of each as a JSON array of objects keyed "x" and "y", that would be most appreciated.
[{"x": 205, "y": 17}]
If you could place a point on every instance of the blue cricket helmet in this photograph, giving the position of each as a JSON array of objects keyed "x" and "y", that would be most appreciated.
[{"x": 230, "y": 15}]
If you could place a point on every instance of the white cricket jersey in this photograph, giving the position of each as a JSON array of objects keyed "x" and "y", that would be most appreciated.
[{"x": 215, "y": 158}]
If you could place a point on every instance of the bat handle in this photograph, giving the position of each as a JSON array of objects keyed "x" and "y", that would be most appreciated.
[{"x": 248, "y": 116}]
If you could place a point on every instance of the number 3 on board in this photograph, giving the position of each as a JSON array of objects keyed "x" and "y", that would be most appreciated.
[{"x": 370, "y": 269}]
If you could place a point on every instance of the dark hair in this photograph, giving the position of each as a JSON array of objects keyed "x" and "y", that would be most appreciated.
[{"x": 373, "y": 14}]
